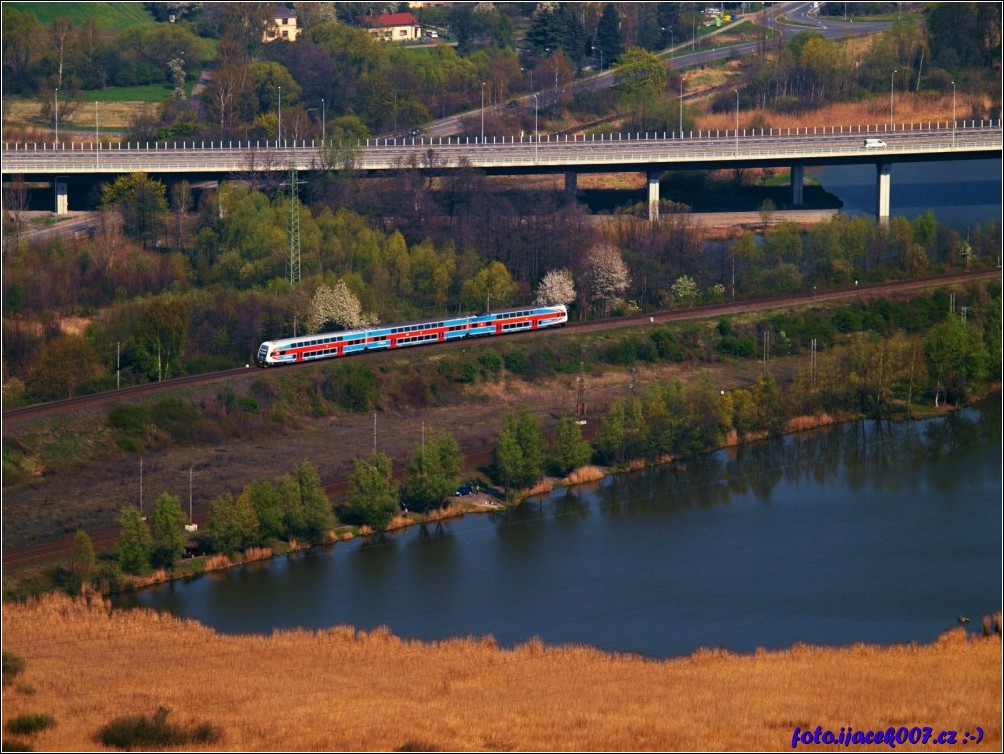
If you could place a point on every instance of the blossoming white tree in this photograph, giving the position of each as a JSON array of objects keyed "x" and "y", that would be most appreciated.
[
  {"x": 606, "y": 275},
  {"x": 338, "y": 305},
  {"x": 556, "y": 287}
]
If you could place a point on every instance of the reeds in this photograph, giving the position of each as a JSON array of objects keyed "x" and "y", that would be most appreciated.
[{"x": 348, "y": 689}]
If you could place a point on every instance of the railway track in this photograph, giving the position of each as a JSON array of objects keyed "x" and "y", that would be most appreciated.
[{"x": 105, "y": 538}]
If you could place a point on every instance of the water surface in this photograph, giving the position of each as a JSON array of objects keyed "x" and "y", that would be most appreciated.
[{"x": 869, "y": 531}]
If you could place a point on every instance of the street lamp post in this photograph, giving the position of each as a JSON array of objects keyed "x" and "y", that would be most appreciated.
[
  {"x": 536, "y": 136},
  {"x": 97, "y": 143},
  {"x": 55, "y": 114},
  {"x": 953, "y": 113},
  {"x": 278, "y": 131},
  {"x": 892, "y": 85},
  {"x": 482, "y": 112},
  {"x": 323, "y": 123},
  {"x": 672, "y": 44},
  {"x": 681, "y": 106},
  {"x": 737, "y": 121}
]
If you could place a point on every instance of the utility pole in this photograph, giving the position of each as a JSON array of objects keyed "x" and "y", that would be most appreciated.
[
  {"x": 580, "y": 394},
  {"x": 294, "y": 221},
  {"x": 892, "y": 87}
]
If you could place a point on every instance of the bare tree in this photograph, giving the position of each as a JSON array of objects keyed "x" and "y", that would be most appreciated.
[
  {"x": 181, "y": 203},
  {"x": 110, "y": 244},
  {"x": 15, "y": 209},
  {"x": 61, "y": 32}
]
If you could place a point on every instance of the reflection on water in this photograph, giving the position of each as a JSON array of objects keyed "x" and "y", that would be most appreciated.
[
  {"x": 961, "y": 193},
  {"x": 869, "y": 531}
]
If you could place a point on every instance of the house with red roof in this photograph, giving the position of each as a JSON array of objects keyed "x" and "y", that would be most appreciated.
[{"x": 393, "y": 27}]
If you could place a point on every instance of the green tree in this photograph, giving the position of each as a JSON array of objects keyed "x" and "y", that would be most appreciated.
[
  {"x": 167, "y": 530},
  {"x": 772, "y": 414},
  {"x": 66, "y": 365},
  {"x": 307, "y": 511},
  {"x": 624, "y": 432},
  {"x": 142, "y": 202},
  {"x": 956, "y": 356},
  {"x": 707, "y": 417},
  {"x": 268, "y": 79},
  {"x": 519, "y": 457},
  {"x": 135, "y": 545},
  {"x": 82, "y": 560},
  {"x": 233, "y": 523},
  {"x": 432, "y": 473},
  {"x": 570, "y": 450},
  {"x": 268, "y": 509},
  {"x": 608, "y": 35},
  {"x": 373, "y": 496},
  {"x": 161, "y": 336},
  {"x": 491, "y": 286},
  {"x": 21, "y": 50},
  {"x": 640, "y": 75}
]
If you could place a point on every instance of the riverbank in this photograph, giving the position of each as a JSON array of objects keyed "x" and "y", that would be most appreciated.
[
  {"x": 487, "y": 500},
  {"x": 86, "y": 665}
]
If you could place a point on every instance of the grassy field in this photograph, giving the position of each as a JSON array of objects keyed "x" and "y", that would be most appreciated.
[
  {"x": 115, "y": 115},
  {"x": 104, "y": 15},
  {"x": 342, "y": 689},
  {"x": 118, "y": 105}
]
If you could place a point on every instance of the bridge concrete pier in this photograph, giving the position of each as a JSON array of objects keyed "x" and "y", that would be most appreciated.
[
  {"x": 797, "y": 182},
  {"x": 653, "y": 196},
  {"x": 62, "y": 197},
  {"x": 884, "y": 171},
  {"x": 571, "y": 185}
]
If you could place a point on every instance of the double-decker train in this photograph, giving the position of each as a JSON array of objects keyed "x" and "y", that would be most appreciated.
[{"x": 331, "y": 345}]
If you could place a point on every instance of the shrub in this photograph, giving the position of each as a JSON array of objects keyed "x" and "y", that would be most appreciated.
[
  {"x": 12, "y": 744},
  {"x": 666, "y": 345},
  {"x": 733, "y": 345},
  {"x": 629, "y": 350},
  {"x": 13, "y": 666},
  {"x": 24, "y": 725},
  {"x": 148, "y": 731},
  {"x": 491, "y": 363},
  {"x": 516, "y": 362}
]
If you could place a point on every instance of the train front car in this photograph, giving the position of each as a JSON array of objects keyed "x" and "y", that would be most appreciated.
[
  {"x": 555, "y": 316},
  {"x": 269, "y": 355},
  {"x": 262, "y": 358}
]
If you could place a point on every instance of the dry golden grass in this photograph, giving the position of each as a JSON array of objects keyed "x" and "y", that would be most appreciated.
[
  {"x": 112, "y": 114},
  {"x": 346, "y": 690},
  {"x": 910, "y": 107},
  {"x": 583, "y": 475}
]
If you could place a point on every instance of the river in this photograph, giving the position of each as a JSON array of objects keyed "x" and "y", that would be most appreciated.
[
  {"x": 868, "y": 531},
  {"x": 961, "y": 193}
]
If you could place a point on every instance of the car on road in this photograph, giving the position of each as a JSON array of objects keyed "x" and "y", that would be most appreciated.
[{"x": 874, "y": 143}]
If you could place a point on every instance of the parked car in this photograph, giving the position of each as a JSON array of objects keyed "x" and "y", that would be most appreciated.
[{"x": 467, "y": 488}]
